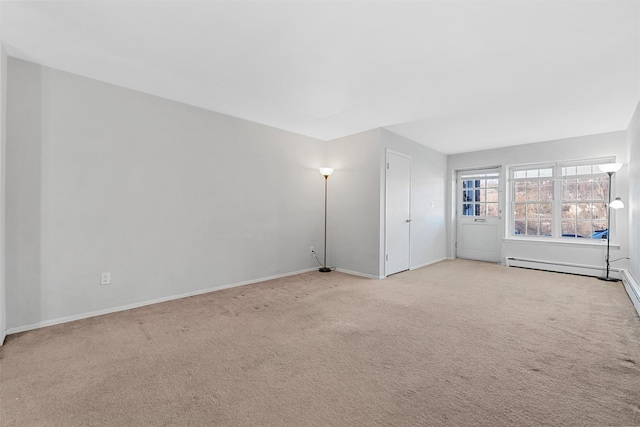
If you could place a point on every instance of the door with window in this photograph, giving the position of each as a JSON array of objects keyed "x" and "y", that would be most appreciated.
[{"x": 478, "y": 215}]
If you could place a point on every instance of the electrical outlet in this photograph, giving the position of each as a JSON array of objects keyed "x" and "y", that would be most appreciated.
[
  {"x": 105, "y": 278},
  {"x": 311, "y": 250}
]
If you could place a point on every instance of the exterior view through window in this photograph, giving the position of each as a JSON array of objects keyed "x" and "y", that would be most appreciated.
[
  {"x": 560, "y": 200},
  {"x": 480, "y": 195}
]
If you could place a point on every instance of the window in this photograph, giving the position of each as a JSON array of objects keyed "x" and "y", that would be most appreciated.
[
  {"x": 533, "y": 191},
  {"x": 560, "y": 199},
  {"x": 480, "y": 194},
  {"x": 585, "y": 190}
]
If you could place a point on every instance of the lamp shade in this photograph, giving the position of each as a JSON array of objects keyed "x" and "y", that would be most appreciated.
[
  {"x": 616, "y": 204},
  {"x": 326, "y": 171},
  {"x": 610, "y": 167}
]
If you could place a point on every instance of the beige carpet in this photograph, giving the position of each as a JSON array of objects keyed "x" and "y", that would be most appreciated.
[{"x": 457, "y": 343}]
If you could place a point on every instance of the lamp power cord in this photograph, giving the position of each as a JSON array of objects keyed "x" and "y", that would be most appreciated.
[
  {"x": 319, "y": 263},
  {"x": 614, "y": 260}
]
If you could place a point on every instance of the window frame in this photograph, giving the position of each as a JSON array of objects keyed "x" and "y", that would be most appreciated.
[
  {"x": 480, "y": 174},
  {"x": 557, "y": 181}
]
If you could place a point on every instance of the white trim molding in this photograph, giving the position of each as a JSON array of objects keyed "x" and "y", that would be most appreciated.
[
  {"x": 145, "y": 303},
  {"x": 357, "y": 273},
  {"x": 633, "y": 289},
  {"x": 415, "y": 267}
]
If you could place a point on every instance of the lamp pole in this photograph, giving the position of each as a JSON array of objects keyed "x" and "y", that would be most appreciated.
[
  {"x": 325, "y": 172},
  {"x": 610, "y": 169},
  {"x": 607, "y": 278}
]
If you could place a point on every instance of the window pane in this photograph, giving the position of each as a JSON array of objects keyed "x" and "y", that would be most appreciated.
[
  {"x": 532, "y": 173},
  {"x": 477, "y": 209},
  {"x": 584, "y": 170},
  {"x": 569, "y": 190},
  {"x": 520, "y": 174},
  {"x": 520, "y": 192},
  {"x": 546, "y": 191},
  {"x": 482, "y": 209},
  {"x": 546, "y": 172},
  {"x": 599, "y": 212},
  {"x": 599, "y": 226},
  {"x": 568, "y": 228},
  {"x": 467, "y": 209},
  {"x": 519, "y": 210},
  {"x": 545, "y": 228},
  {"x": 532, "y": 191},
  {"x": 492, "y": 209},
  {"x": 584, "y": 229},
  {"x": 584, "y": 211},
  {"x": 545, "y": 211},
  {"x": 569, "y": 170},
  {"x": 467, "y": 196},
  {"x": 532, "y": 210},
  {"x": 600, "y": 189},
  {"x": 569, "y": 210},
  {"x": 482, "y": 195},
  {"x": 492, "y": 183},
  {"x": 532, "y": 228},
  {"x": 584, "y": 189},
  {"x": 519, "y": 227},
  {"x": 492, "y": 195}
]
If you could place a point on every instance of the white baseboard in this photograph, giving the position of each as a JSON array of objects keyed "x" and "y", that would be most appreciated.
[
  {"x": 415, "y": 267},
  {"x": 357, "y": 273},
  {"x": 371, "y": 276},
  {"x": 3, "y": 335},
  {"x": 145, "y": 303},
  {"x": 633, "y": 289}
]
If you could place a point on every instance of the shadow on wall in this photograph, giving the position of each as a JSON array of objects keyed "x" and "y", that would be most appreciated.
[{"x": 24, "y": 195}]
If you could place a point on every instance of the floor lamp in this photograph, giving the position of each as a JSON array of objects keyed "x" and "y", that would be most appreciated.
[
  {"x": 325, "y": 172},
  {"x": 610, "y": 169}
]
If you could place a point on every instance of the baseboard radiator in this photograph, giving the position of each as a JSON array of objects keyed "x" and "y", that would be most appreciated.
[
  {"x": 633, "y": 289},
  {"x": 559, "y": 267},
  {"x": 630, "y": 284}
]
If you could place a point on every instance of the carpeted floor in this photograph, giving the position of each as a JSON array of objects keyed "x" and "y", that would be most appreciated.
[{"x": 456, "y": 343}]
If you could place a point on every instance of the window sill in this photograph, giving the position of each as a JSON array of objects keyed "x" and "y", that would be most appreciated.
[{"x": 585, "y": 242}]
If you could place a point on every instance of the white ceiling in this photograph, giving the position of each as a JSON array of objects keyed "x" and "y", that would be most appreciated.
[{"x": 456, "y": 76}]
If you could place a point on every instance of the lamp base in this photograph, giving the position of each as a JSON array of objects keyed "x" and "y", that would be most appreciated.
[
  {"x": 609, "y": 279},
  {"x": 325, "y": 270}
]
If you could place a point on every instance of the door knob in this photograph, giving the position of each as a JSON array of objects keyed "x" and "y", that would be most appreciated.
[{"x": 408, "y": 220}]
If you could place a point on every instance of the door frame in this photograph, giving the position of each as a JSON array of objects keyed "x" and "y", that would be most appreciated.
[{"x": 386, "y": 201}]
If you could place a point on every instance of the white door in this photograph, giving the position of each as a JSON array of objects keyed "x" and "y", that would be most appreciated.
[
  {"x": 478, "y": 215},
  {"x": 398, "y": 218}
]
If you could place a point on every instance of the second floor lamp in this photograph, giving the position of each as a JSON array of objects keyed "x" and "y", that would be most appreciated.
[{"x": 610, "y": 169}]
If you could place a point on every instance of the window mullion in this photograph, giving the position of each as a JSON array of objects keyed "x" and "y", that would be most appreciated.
[{"x": 557, "y": 201}]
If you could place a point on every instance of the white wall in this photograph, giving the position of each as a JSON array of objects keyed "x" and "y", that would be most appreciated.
[
  {"x": 633, "y": 204},
  {"x": 593, "y": 146},
  {"x": 168, "y": 198},
  {"x": 357, "y": 201},
  {"x": 354, "y": 203},
  {"x": 428, "y": 201},
  {"x": 3, "y": 110}
]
